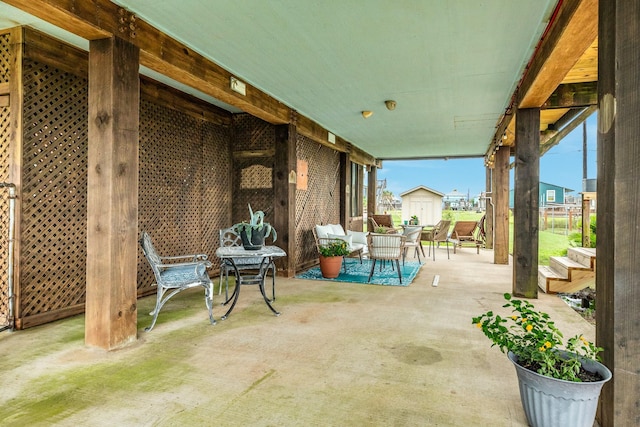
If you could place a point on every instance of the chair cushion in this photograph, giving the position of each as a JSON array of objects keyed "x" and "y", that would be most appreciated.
[
  {"x": 323, "y": 231},
  {"x": 181, "y": 275}
]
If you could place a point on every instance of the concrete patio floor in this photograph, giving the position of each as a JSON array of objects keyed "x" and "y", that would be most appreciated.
[{"x": 340, "y": 354}]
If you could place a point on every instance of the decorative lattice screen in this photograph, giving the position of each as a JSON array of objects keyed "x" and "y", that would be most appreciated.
[
  {"x": 54, "y": 189},
  {"x": 4, "y": 192},
  {"x": 253, "y": 175},
  {"x": 183, "y": 185},
  {"x": 320, "y": 202}
]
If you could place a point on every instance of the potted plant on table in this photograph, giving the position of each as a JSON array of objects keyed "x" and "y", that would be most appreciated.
[
  {"x": 331, "y": 256},
  {"x": 559, "y": 384},
  {"x": 414, "y": 220},
  {"x": 255, "y": 231}
]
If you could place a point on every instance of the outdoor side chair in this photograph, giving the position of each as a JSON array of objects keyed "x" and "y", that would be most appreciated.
[
  {"x": 175, "y": 274},
  {"x": 412, "y": 235},
  {"x": 228, "y": 237},
  {"x": 465, "y": 232},
  {"x": 440, "y": 235},
  {"x": 385, "y": 247}
]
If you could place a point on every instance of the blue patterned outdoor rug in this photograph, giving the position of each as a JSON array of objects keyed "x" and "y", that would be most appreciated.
[{"x": 359, "y": 273}]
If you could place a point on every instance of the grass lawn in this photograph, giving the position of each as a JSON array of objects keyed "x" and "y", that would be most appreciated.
[{"x": 550, "y": 244}]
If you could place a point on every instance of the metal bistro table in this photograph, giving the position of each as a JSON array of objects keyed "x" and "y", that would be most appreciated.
[{"x": 232, "y": 253}]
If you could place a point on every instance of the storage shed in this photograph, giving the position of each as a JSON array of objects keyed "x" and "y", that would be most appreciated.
[{"x": 423, "y": 202}]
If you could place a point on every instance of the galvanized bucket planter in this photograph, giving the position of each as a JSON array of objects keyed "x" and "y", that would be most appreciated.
[{"x": 550, "y": 402}]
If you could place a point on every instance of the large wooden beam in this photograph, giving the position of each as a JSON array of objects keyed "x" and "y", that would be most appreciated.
[
  {"x": 618, "y": 242},
  {"x": 488, "y": 223},
  {"x": 501, "y": 206},
  {"x": 573, "y": 31},
  {"x": 570, "y": 35},
  {"x": 15, "y": 149},
  {"x": 525, "y": 203},
  {"x": 573, "y": 95},
  {"x": 284, "y": 212},
  {"x": 372, "y": 183},
  {"x": 112, "y": 194}
]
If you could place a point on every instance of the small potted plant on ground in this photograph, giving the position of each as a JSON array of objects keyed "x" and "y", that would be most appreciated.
[
  {"x": 255, "y": 231},
  {"x": 331, "y": 256},
  {"x": 559, "y": 384}
]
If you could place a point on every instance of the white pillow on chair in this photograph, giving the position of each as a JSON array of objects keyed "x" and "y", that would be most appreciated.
[
  {"x": 337, "y": 229},
  {"x": 323, "y": 231}
]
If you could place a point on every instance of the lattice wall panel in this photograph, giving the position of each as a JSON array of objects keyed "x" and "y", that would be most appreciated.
[
  {"x": 4, "y": 217},
  {"x": 171, "y": 181},
  {"x": 320, "y": 202},
  {"x": 54, "y": 206},
  {"x": 253, "y": 176},
  {"x": 216, "y": 188},
  {"x": 5, "y": 59}
]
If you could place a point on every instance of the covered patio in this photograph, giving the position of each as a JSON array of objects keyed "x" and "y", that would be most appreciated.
[
  {"x": 169, "y": 117},
  {"x": 339, "y": 355}
]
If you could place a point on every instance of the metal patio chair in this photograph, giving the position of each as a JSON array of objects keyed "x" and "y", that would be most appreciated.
[{"x": 175, "y": 274}]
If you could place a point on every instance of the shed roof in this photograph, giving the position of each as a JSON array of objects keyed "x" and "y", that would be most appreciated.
[{"x": 422, "y": 187}]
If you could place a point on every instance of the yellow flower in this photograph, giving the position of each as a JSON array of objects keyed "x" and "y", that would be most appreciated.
[
  {"x": 548, "y": 344},
  {"x": 524, "y": 319},
  {"x": 514, "y": 317},
  {"x": 529, "y": 327},
  {"x": 479, "y": 325},
  {"x": 543, "y": 348}
]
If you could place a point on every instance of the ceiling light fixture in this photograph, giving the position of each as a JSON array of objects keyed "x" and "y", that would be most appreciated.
[
  {"x": 391, "y": 105},
  {"x": 366, "y": 114}
]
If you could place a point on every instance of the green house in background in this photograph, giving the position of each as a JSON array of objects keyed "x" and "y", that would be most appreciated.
[{"x": 549, "y": 195}]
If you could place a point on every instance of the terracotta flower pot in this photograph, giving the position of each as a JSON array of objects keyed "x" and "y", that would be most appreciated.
[{"x": 330, "y": 266}]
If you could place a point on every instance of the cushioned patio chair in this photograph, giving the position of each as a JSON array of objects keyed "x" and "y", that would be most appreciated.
[
  {"x": 440, "y": 235},
  {"x": 175, "y": 274},
  {"x": 464, "y": 232},
  {"x": 385, "y": 247},
  {"x": 356, "y": 240},
  {"x": 412, "y": 235},
  {"x": 229, "y": 237}
]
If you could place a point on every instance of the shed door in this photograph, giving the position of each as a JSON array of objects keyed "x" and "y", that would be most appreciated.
[{"x": 423, "y": 208}]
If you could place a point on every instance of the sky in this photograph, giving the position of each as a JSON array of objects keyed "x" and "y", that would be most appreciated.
[{"x": 561, "y": 165}]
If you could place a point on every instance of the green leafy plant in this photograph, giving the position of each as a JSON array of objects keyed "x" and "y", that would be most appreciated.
[
  {"x": 334, "y": 248},
  {"x": 256, "y": 222},
  {"x": 535, "y": 340},
  {"x": 380, "y": 230}
]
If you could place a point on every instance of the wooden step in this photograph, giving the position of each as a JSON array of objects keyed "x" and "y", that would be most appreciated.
[
  {"x": 545, "y": 275},
  {"x": 585, "y": 256},
  {"x": 564, "y": 264}
]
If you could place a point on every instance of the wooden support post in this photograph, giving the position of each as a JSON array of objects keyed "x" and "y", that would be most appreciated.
[
  {"x": 15, "y": 151},
  {"x": 525, "y": 203},
  {"x": 345, "y": 193},
  {"x": 284, "y": 218},
  {"x": 618, "y": 243},
  {"x": 501, "y": 206},
  {"x": 371, "y": 192},
  {"x": 488, "y": 223},
  {"x": 586, "y": 222},
  {"x": 112, "y": 199}
]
